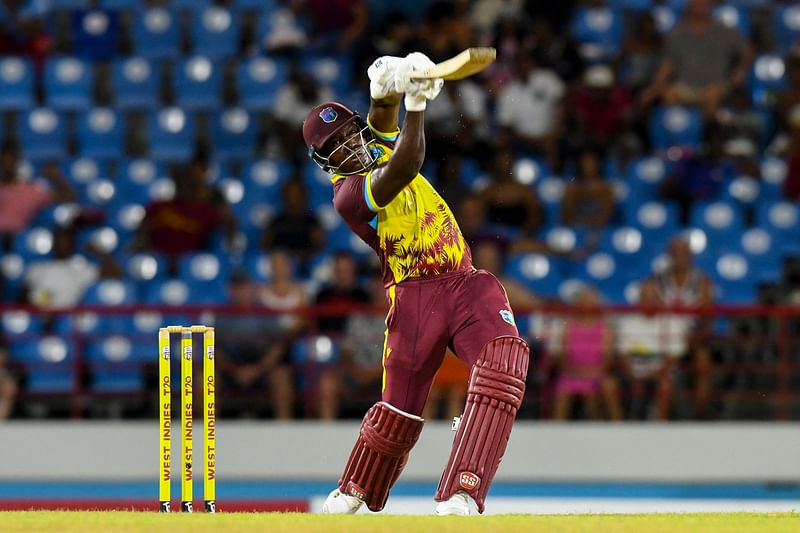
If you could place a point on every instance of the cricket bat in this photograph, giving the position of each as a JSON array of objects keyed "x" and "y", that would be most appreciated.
[{"x": 467, "y": 63}]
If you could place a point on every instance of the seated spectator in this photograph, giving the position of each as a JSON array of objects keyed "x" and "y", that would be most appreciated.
[
  {"x": 554, "y": 48},
  {"x": 448, "y": 393},
  {"x": 283, "y": 292},
  {"x": 186, "y": 222},
  {"x": 649, "y": 343},
  {"x": 356, "y": 381},
  {"x": 488, "y": 255},
  {"x": 699, "y": 175},
  {"x": 600, "y": 110},
  {"x": 8, "y": 385},
  {"x": 24, "y": 34},
  {"x": 20, "y": 199},
  {"x": 740, "y": 121},
  {"x": 252, "y": 353},
  {"x": 60, "y": 282},
  {"x": 703, "y": 59},
  {"x": 286, "y": 34},
  {"x": 335, "y": 25},
  {"x": 343, "y": 290},
  {"x": 588, "y": 202},
  {"x": 511, "y": 206},
  {"x": 586, "y": 353},
  {"x": 682, "y": 284},
  {"x": 638, "y": 60},
  {"x": 295, "y": 228},
  {"x": 530, "y": 109}
]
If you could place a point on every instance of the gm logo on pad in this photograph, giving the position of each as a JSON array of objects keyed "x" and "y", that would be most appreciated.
[
  {"x": 468, "y": 481},
  {"x": 328, "y": 115}
]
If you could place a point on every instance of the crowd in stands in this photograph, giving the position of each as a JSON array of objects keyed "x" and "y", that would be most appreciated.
[{"x": 617, "y": 152}]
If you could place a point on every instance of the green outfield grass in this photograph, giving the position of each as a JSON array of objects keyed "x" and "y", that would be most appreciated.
[{"x": 82, "y": 522}]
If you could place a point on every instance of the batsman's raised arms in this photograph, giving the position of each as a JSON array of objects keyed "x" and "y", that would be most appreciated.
[{"x": 467, "y": 63}]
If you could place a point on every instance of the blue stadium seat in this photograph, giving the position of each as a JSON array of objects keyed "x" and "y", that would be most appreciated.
[
  {"x": 171, "y": 132},
  {"x": 215, "y": 32},
  {"x": 665, "y": 17},
  {"x": 315, "y": 349},
  {"x": 48, "y": 364},
  {"x": 18, "y": 325},
  {"x": 773, "y": 174},
  {"x": 259, "y": 80},
  {"x": 782, "y": 220},
  {"x": 551, "y": 191},
  {"x": 156, "y": 34},
  {"x": 645, "y": 176},
  {"x": 234, "y": 133},
  {"x": 733, "y": 17},
  {"x": 190, "y": 5},
  {"x": 763, "y": 253},
  {"x": 95, "y": 34},
  {"x": 198, "y": 84},
  {"x": 206, "y": 275},
  {"x": 42, "y": 134},
  {"x": 253, "y": 215},
  {"x": 657, "y": 221},
  {"x": 16, "y": 83},
  {"x": 68, "y": 83},
  {"x": 766, "y": 79},
  {"x": 742, "y": 191},
  {"x": 318, "y": 184},
  {"x": 631, "y": 5},
  {"x": 262, "y": 5},
  {"x": 135, "y": 83},
  {"x": 734, "y": 280},
  {"x": 69, "y": 4},
  {"x": 330, "y": 70},
  {"x": 136, "y": 177},
  {"x": 263, "y": 179},
  {"x": 598, "y": 30},
  {"x": 721, "y": 221},
  {"x": 675, "y": 126},
  {"x": 119, "y": 5},
  {"x": 33, "y": 244},
  {"x": 111, "y": 293},
  {"x": 12, "y": 269},
  {"x": 144, "y": 268},
  {"x": 538, "y": 272},
  {"x": 115, "y": 365},
  {"x": 630, "y": 250},
  {"x": 786, "y": 26},
  {"x": 101, "y": 133}
]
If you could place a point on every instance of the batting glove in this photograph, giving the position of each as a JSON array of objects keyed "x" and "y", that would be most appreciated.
[
  {"x": 417, "y": 92},
  {"x": 381, "y": 76}
]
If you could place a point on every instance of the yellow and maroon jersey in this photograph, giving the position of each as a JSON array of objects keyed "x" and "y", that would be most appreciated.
[{"x": 415, "y": 234}]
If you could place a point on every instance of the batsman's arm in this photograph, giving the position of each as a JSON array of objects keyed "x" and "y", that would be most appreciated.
[
  {"x": 409, "y": 153},
  {"x": 384, "y": 113}
]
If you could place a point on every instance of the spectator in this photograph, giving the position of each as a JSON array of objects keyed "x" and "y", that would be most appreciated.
[
  {"x": 295, "y": 228},
  {"x": 588, "y": 201},
  {"x": 788, "y": 100},
  {"x": 511, "y": 206},
  {"x": 530, "y": 109},
  {"x": 24, "y": 34},
  {"x": 699, "y": 175},
  {"x": 343, "y": 290},
  {"x": 8, "y": 385},
  {"x": 251, "y": 351},
  {"x": 286, "y": 33},
  {"x": 638, "y": 60},
  {"x": 186, "y": 222},
  {"x": 649, "y": 343},
  {"x": 740, "y": 122},
  {"x": 485, "y": 14},
  {"x": 284, "y": 293},
  {"x": 21, "y": 199},
  {"x": 458, "y": 121},
  {"x": 45, "y": 284},
  {"x": 488, "y": 255},
  {"x": 791, "y": 185},
  {"x": 587, "y": 343},
  {"x": 445, "y": 30},
  {"x": 555, "y": 49},
  {"x": 449, "y": 387},
  {"x": 684, "y": 285},
  {"x": 703, "y": 59},
  {"x": 600, "y": 110},
  {"x": 336, "y": 25},
  {"x": 361, "y": 368}
]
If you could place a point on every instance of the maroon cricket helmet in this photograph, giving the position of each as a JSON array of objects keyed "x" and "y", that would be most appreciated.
[{"x": 322, "y": 123}]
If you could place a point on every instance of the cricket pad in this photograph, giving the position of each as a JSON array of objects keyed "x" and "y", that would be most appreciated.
[
  {"x": 496, "y": 388},
  {"x": 386, "y": 437}
]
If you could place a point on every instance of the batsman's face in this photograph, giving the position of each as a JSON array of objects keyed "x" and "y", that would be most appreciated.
[{"x": 349, "y": 153}]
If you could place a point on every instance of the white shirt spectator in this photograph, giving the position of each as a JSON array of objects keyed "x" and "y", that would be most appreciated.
[
  {"x": 60, "y": 283},
  {"x": 647, "y": 340},
  {"x": 290, "y": 107},
  {"x": 531, "y": 109},
  {"x": 472, "y": 100}
]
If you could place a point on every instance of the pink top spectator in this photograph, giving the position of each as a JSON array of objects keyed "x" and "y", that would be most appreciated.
[{"x": 19, "y": 204}]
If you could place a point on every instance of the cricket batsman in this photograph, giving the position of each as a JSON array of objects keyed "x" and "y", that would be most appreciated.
[{"x": 438, "y": 299}]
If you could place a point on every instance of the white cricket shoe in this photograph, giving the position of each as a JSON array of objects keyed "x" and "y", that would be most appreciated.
[
  {"x": 339, "y": 503},
  {"x": 457, "y": 504}
]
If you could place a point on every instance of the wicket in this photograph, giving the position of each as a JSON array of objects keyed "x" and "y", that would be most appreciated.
[{"x": 186, "y": 407}]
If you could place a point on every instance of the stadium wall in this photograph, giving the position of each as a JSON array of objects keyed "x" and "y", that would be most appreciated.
[{"x": 586, "y": 452}]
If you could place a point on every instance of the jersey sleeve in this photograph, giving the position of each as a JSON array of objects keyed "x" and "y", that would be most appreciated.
[{"x": 353, "y": 199}]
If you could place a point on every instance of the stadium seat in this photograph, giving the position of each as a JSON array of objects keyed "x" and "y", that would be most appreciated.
[
  {"x": 135, "y": 83},
  {"x": 657, "y": 221},
  {"x": 16, "y": 84},
  {"x": 742, "y": 190},
  {"x": 766, "y": 79},
  {"x": 48, "y": 364},
  {"x": 84, "y": 170},
  {"x": 144, "y": 268},
  {"x": 645, "y": 177},
  {"x": 733, "y": 280},
  {"x": 538, "y": 272},
  {"x": 630, "y": 251},
  {"x": 665, "y": 17},
  {"x": 110, "y": 293},
  {"x": 782, "y": 220},
  {"x": 263, "y": 179},
  {"x": 114, "y": 365},
  {"x": 101, "y": 133},
  {"x": 119, "y": 5},
  {"x": 318, "y": 184},
  {"x": 234, "y": 133},
  {"x": 136, "y": 177},
  {"x": 734, "y": 18},
  {"x": 191, "y": 5},
  {"x": 259, "y": 80},
  {"x": 206, "y": 275},
  {"x": 198, "y": 84},
  {"x": 315, "y": 349},
  {"x": 33, "y": 244},
  {"x": 12, "y": 269},
  {"x": 171, "y": 132},
  {"x": 763, "y": 254},
  {"x": 675, "y": 126},
  {"x": 215, "y": 32},
  {"x": 42, "y": 134},
  {"x": 69, "y": 4},
  {"x": 156, "y": 34},
  {"x": 598, "y": 31},
  {"x": 68, "y": 83},
  {"x": 551, "y": 192},
  {"x": 95, "y": 33},
  {"x": 786, "y": 26},
  {"x": 332, "y": 71},
  {"x": 721, "y": 221},
  {"x": 773, "y": 174},
  {"x": 19, "y": 325}
]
